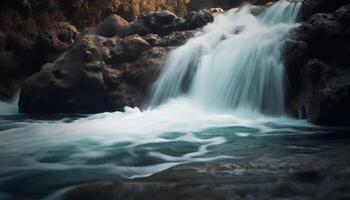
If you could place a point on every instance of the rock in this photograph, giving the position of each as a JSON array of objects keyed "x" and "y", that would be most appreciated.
[
  {"x": 311, "y": 7},
  {"x": 177, "y": 38},
  {"x": 2, "y": 41},
  {"x": 329, "y": 94},
  {"x": 112, "y": 26},
  {"x": 9, "y": 73},
  {"x": 295, "y": 54},
  {"x": 56, "y": 39},
  {"x": 18, "y": 59},
  {"x": 129, "y": 49},
  {"x": 198, "y": 19},
  {"x": 152, "y": 39},
  {"x": 215, "y": 11},
  {"x": 164, "y": 22},
  {"x": 161, "y": 22},
  {"x": 317, "y": 66},
  {"x": 90, "y": 67}
]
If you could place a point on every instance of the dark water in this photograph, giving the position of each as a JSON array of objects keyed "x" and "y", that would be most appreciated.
[{"x": 61, "y": 156}]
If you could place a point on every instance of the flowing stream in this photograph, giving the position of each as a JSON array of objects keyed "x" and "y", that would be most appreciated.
[
  {"x": 220, "y": 97},
  {"x": 235, "y": 64}
]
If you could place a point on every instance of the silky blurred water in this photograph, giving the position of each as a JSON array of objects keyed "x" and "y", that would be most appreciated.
[{"x": 219, "y": 99}]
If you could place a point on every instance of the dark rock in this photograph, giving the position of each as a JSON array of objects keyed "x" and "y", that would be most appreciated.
[
  {"x": 56, "y": 39},
  {"x": 112, "y": 26},
  {"x": 165, "y": 23},
  {"x": 161, "y": 22},
  {"x": 87, "y": 79},
  {"x": 317, "y": 65},
  {"x": 18, "y": 59},
  {"x": 177, "y": 38},
  {"x": 152, "y": 39},
  {"x": 295, "y": 54},
  {"x": 2, "y": 41},
  {"x": 9, "y": 73},
  {"x": 329, "y": 94},
  {"x": 129, "y": 49},
  {"x": 310, "y": 7},
  {"x": 198, "y": 19}
]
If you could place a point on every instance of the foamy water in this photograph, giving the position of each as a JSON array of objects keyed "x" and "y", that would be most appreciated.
[{"x": 217, "y": 92}]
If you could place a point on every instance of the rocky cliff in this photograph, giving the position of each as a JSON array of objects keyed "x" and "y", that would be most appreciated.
[{"x": 317, "y": 59}]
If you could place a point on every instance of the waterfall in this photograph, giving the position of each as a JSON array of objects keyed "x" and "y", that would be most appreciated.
[
  {"x": 234, "y": 64},
  {"x": 11, "y": 107}
]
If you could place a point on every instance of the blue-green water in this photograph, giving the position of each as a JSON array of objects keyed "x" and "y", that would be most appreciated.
[{"x": 40, "y": 155}]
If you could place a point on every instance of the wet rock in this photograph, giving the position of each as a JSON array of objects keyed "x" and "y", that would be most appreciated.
[
  {"x": 198, "y": 19},
  {"x": 215, "y": 11},
  {"x": 177, "y": 38},
  {"x": 317, "y": 65},
  {"x": 112, "y": 26}
]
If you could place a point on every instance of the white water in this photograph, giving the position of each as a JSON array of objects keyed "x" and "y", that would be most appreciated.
[
  {"x": 8, "y": 108},
  {"x": 234, "y": 75},
  {"x": 234, "y": 65}
]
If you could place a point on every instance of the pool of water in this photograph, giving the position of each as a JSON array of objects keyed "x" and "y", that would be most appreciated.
[{"x": 41, "y": 155}]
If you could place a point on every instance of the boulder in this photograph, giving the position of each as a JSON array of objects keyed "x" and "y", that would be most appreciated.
[
  {"x": 311, "y": 7},
  {"x": 328, "y": 94},
  {"x": 160, "y": 22},
  {"x": 317, "y": 65},
  {"x": 129, "y": 49},
  {"x": 89, "y": 78},
  {"x": 165, "y": 23},
  {"x": 198, "y": 19},
  {"x": 112, "y": 26}
]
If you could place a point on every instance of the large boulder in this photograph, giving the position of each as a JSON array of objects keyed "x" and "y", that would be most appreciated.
[
  {"x": 317, "y": 60},
  {"x": 97, "y": 74},
  {"x": 112, "y": 26},
  {"x": 21, "y": 57},
  {"x": 198, "y": 19}
]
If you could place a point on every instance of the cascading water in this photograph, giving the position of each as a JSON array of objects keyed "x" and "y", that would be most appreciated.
[
  {"x": 11, "y": 107},
  {"x": 234, "y": 64}
]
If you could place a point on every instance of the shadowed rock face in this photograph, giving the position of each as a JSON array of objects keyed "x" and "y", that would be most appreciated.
[
  {"x": 317, "y": 62},
  {"x": 34, "y": 32},
  {"x": 101, "y": 74},
  {"x": 22, "y": 57},
  {"x": 98, "y": 74}
]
